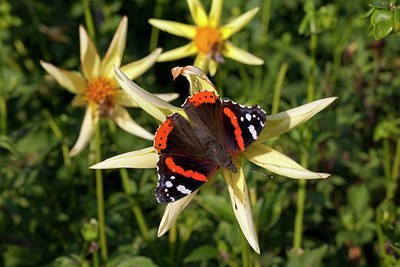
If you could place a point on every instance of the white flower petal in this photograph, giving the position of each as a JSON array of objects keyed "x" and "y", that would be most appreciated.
[
  {"x": 139, "y": 159},
  {"x": 90, "y": 60},
  {"x": 137, "y": 68},
  {"x": 122, "y": 118},
  {"x": 121, "y": 98},
  {"x": 175, "y": 28},
  {"x": 215, "y": 13},
  {"x": 150, "y": 103},
  {"x": 240, "y": 201},
  {"x": 240, "y": 55},
  {"x": 282, "y": 122},
  {"x": 172, "y": 211},
  {"x": 198, "y": 80},
  {"x": 115, "y": 50},
  {"x": 238, "y": 23},
  {"x": 198, "y": 13},
  {"x": 78, "y": 101},
  {"x": 88, "y": 126},
  {"x": 279, "y": 163},
  {"x": 70, "y": 80},
  {"x": 177, "y": 53}
]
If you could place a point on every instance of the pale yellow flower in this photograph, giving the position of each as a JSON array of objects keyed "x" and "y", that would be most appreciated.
[
  {"x": 209, "y": 40},
  {"x": 97, "y": 88},
  {"x": 257, "y": 152}
]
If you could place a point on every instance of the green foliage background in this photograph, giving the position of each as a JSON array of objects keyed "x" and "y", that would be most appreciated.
[{"x": 351, "y": 219}]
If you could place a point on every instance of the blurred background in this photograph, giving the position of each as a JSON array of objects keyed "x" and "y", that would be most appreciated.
[{"x": 47, "y": 201}]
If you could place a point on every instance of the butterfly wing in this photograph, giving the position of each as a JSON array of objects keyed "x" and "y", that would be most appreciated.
[{"x": 183, "y": 165}]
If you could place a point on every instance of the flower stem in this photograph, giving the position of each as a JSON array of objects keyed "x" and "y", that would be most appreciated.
[
  {"x": 172, "y": 239},
  {"x": 245, "y": 250},
  {"x": 3, "y": 115},
  {"x": 137, "y": 211},
  {"x": 155, "y": 31},
  {"x": 278, "y": 87},
  {"x": 89, "y": 19},
  {"x": 100, "y": 196}
]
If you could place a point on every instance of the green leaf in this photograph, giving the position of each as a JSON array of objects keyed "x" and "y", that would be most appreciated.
[
  {"x": 383, "y": 23},
  {"x": 217, "y": 205},
  {"x": 311, "y": 257},
  {"x": 201, "y": 254}
]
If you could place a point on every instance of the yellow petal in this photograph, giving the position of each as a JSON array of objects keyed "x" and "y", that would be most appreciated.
[
  {"x": 140, "y": 159},
  {"x": 78, "y": 101},
  {"x": 198, "y": 80},
  {"x": 150, "y": 103},
  {"x": 282, "y": 122},
  {"x": 240, "y": 55},
  {"x": 70, "y": 80},
  {"x": 198, "y": 14},
  {"x": 279, "y": 163},
  {"x": 122, "y": 118},
  {"x": 215, "y": 13},
  {"x": 177, "y": 53},
  {"x": 212, "y": 67},
  {"x": 90, "y": 60},
  {"x": 88, "y": 126},
  {"x": 201, "y": 62},
  {"x": 172, "y": 211},
  {"x": 237, "y": 188},
  {"x": 238, "y": 23},
  {"x": 175, "y": 28},
  {"x": 121, "y": 98},
  {"x": 115, "y": 50},
  {"x": 137, "y": 68}
]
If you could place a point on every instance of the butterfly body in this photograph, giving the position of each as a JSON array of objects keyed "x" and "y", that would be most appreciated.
[{"x": 191, "y": 151}]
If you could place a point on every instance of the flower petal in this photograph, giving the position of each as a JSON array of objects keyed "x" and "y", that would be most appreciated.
[
  {"x": 70, "y": 80},
  {"x": 140, "y": 159},
  {"x": 215, "y": 13},
  {"x": 115, "y": 50},
  {"x": 90, "y": 59},
  {"x": 279, "y": 163},
  {"x": 150, "y": 103},
  {"x": 172, "y": 211},
  {"x": 137, "y": 68},
  {"x": 175, "y": 28},
  {"x": 88, "y": 126},
  {"x": 238, "y": 23},
  {"x": 282, "y": 122},
  {"x": 212, "y": 67},
  {"x": 198, "y": 80},
  {"x": 177, "y": 53},
  {"x": 240, "y": 201},
  {"x": 122, "y": 118},
  {"x": 121, "y": 98},
  {"x": 201, "y": 62},
  {"x": 198, "y": 14},
  {"x": 240, "y": 55},
  {"x": 78, "y": 101}
]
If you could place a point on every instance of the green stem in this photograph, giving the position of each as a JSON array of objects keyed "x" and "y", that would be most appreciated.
[
  {"x": 278, "y": 87},
  {"x": 3, "y": 115},
  {"x": 95, "y": 259},
  {"x": 311, "y": 74},
  {"x": 154, "y": 31},
  {"x": 386, "y": 165},
  {"x": 301, "y": 196},
  {"x": 137, "y": 211},
  {"x": 245, "y": 250},
  {"x": 392, "y": 183},
  {"x": 89, "y": 20},
  {"x": 100, "y": 196},
  {"x": 172, "y": 239}
]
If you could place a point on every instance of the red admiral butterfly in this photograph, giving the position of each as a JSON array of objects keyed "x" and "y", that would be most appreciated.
[{"x": 190, "y": 152}]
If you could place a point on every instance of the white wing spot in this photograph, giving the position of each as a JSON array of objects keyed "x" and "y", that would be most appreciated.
[
  {"x": 165, "y": 190},
  {"x": 172, "y": 177},
  {"x": 183, "y": 189},
  {"x": 253, "y": 131},
  {"x": 248, "y": 117},
  {"x": 168, "y": 184},
  {"x": 172, "y": 199},
  {"x": 241, "y": 119},
  {"x": 254, "y": 115}
]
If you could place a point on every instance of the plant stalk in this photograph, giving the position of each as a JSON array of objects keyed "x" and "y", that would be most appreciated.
[{"x": 245, "y": 250}]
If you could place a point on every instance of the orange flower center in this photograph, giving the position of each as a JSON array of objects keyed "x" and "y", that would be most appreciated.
[
  {"x": 208, "y": 40},
  {"x": 101, "y": 91}
]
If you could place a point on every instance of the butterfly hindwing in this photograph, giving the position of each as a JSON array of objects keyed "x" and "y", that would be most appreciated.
[{"x": 179, "y": 176}]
